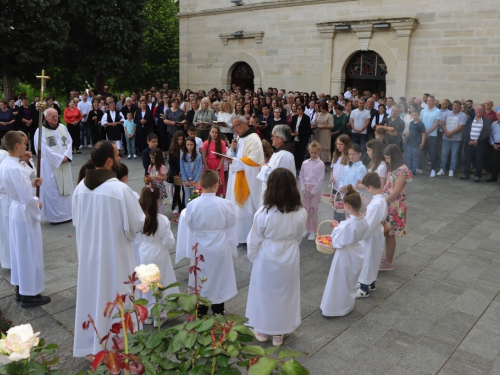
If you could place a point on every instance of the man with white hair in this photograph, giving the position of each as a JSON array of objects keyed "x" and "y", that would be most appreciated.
[
  {"x": 55, "y": 193},
  {"x": 245, "y": 155},
  {"x": 282, "y": 157}
]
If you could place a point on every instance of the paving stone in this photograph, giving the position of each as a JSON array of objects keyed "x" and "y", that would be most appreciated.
[
  {"x": 464, "y": 363},
  {"x": 422, "y": 360},
  {"x": 482, "y": 342}
]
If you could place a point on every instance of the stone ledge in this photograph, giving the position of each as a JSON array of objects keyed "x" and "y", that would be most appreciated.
[
  {"x": 252, "y": 35},
  {"x": 258, "y": 6}
]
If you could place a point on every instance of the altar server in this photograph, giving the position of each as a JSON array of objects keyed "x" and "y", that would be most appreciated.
[
  {"x": 273, "y": 305},
  {"x": 55, "y": 193},
  {"x": 107, "y": 217},
  {"x": 340, "y": 290},
  {"x": 4, "y": 218}
]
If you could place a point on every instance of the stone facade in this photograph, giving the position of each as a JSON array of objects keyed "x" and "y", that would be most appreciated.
[{"x": 450, "y": 49}]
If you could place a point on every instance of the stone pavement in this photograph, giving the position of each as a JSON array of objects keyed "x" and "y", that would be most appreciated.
[{"x": 437, "y": 312}]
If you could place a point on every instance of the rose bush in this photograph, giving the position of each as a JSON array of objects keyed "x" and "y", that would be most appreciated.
[
  {"x": 148, "y": 275},
  {"x": 19, "y": 341}
]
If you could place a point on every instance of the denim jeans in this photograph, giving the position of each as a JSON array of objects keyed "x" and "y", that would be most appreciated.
[
  {"x": 474, "y": 151},
  {"x": 453, "y": 147},
  {"x": 130, "y": 144},
  {"x": 84, "y": 129},
  {"x": 431, "y": 148},
  {"x": 360, "y": 139},
  {"x": 412, "y": 157},
  {"x": 365, "y": 288}
]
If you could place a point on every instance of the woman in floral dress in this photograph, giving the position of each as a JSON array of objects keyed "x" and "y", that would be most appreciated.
[{"x": 397, "y": 176}]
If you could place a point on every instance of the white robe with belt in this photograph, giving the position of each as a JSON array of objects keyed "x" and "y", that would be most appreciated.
[
  {"x": 273, "y": 305},
  {"x": 106, "y": 220},
  {"x": 251, "y": 147},
  {"x": 4, "y": 221},
  {"x": 56, "y": 208},
  {"x": 374, "y": 240},
  {"x": 280, "y": 159},
  {"x": 155, "y": 249},
  {"x": 340, "y": 290},
  {"x": 211, "y": 223},
  {"x": 26, "y": 249}
]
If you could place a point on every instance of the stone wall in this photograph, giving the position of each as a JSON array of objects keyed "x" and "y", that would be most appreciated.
[{"x": 454, "y": 51}]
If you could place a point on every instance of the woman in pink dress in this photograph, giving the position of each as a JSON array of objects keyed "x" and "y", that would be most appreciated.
[{"x": 214, "y": 162}]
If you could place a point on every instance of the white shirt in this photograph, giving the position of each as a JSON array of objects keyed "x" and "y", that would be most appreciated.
[
  {"x": 359, "y": 119},
  {"x": 84, "y": 108}
]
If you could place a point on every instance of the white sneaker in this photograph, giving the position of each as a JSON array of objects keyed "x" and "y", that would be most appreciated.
[
  {"x": 81, "y": 146},
  {"x": 306, "y": 233},
  {"x": 176, "y": 211},
  {"x": 128, "y": 157},
  {"x": 135, "y": 156},
  {"x": 148, "y": 321},
  {"x": 433, "y": 173},
  {"x": 450, "y": 174},
  {"x": 440, "y": 173},
  {"x": 89, "y": 146},
  {"x": 362, "y": 294},
  {"x": 312, "y": 236},
  {"x": 418, "y": 171},
  {"x": 162, "y": 321}
]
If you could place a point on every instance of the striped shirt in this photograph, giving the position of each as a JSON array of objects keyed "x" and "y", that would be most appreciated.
[{"x": 476, "y": 128}]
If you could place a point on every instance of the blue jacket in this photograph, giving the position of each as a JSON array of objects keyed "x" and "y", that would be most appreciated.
[
  {"x": 186, "y": 167},
  {"x": 352, "y": 174}
]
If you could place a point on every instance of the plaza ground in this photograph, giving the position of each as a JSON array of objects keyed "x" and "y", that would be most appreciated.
[{"x": 437, "y": 312}]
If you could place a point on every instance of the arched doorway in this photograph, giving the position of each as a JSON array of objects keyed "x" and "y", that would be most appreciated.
[
  {"x": 366, "y": 70},
  {"x": 243, "y": 76}
]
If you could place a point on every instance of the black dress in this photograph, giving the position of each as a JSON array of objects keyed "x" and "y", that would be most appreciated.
[{"x": 94, "y": 125}]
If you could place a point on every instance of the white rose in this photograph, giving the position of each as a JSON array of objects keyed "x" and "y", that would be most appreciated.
[
  {"x": 19, "y": 341},
  {"x": 148, "y": 274}
]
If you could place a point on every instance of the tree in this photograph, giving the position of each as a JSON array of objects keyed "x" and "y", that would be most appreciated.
[{"x": 33, "y": 36}]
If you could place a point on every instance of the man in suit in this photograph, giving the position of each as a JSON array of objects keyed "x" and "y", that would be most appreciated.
[
  {"x": 476, "y": 135},
  {"x": 161, "y": 116}
]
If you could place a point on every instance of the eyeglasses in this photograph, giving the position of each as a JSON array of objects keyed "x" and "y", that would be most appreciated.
[{"x": 236, "y": 125}]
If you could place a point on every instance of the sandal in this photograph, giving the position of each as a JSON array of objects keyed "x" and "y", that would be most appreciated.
[
  {"x": 277, "y": 340},
  {"x": 259, "y": 336}
]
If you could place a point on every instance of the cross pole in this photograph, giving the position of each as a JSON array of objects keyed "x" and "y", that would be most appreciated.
[{"x": 42, "y": 105}]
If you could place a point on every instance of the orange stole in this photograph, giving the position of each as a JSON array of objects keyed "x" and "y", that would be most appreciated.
[{"x": 241, "y": 190}]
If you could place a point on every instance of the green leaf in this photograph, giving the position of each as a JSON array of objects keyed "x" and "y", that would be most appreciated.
[
  {"x": 253, "y": 349},
  {"x": 190, "y": 340},
  {"x": 206, "y": 325},
  {"x": 292, "y": 367},
  {"x": 34, "y": 368},
  {"x": 204, "y": 340},
  {"x": 271, "y": 350},
  {"x": 170, "y": 286},
  {"x": 264, "y": 366},
  {"x": 164, "y": 363},
  {"x": 222, "y": 360},
  {"x": 193, "y": 325},
  {"x": 187, "y": 302},
  {"x": 171, "y": 305},
  {"x": 242, "y": 329},
  {"x": 11, "y": 368},
  {"x": 243, "y": 363},
  {"x": 228, "y": 371},
  {"x": 142, "y": 302},
  {"x": 41, "y": 343},
  {"x": 150, "y": 368},
  {"x": 233, "y": 351},
  {"x": 178, "y": 341},
  {"x": 204, "y": 300},
  {"x": 238, "y": 319},
  {"x": 289, "y": 353},
  {"x": 53, "y": 362},
  {"x": 232, "y": 336},
  {"x": 174, "y": 314},
  {"x": 155, "y": 339}
]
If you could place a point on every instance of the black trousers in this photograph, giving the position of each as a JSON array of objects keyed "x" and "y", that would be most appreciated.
[
  {"x": 30, "y": 133},
  {"x": 164, "y": 136},
  {"x": 300, "y": 152},
  {"x": 95, "y": 133},
  {"x": 141, "y": 141},
  {"x": 177, "y": 201},
  {"x": 74, "y": 131},
  {"x": 495, "y": 163},
  {"x": 217, "y": 308},
  {"x": 474, "y": 151}
]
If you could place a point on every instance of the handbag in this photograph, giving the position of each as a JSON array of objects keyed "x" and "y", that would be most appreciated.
[{"x": 178, "y": 180}]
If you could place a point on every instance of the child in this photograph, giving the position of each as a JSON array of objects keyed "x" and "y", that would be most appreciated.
[
  {"x": 190, "y": 168},
  {"x": 339, "y": 160},
  {"x": 26, "y": 250},
  {"x": 130, "y": 128},
  {"x": 156, "y": 239},
  {"x": 152, "y": 140},
  {"x": 157, "y": 172},
  {"x": 312, "y": 175},
  {"x": 192, "y": 134},
  {"x": 354, "y": 171},
  {"x": 375, "y": 150},
  {"x": 340, "y": 290},
  {"x": 212, "y": 161},
  {"x": 4, "y": 217},
  {"x": 381, "y": 136},
  {"x": 415, "y": 141},
  {"x": 374, "y": 241},
  {"x": 273, "y": 304},
  {"x": 177, "y": 147},
  {"x": 395, "y": 193},
  {"x": 211, "y": 221}
]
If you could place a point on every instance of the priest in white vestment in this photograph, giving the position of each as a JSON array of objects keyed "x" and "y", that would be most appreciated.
[
  {"x": 107, "y": 217},
  {"x": 26, "y": 248},
  {"x": 284, "y": 145},
  {"x": 55, "y": 169},
  {"x": 246, "y": 155}
]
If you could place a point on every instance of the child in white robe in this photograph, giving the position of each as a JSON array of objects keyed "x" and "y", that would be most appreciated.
[
  {"x": 155, "y": 242},
  {"x": 4, "y": 218},
  {"x": 25, "y": 232},
  {"x": 211, "y": 223},
  {"x": 273, "y": 304},
  {"x": 374, "y": 240},
  {"x": 340, "y": 290}
]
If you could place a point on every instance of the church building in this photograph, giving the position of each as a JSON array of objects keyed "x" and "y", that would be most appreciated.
[{"x": 450, "y": 49}]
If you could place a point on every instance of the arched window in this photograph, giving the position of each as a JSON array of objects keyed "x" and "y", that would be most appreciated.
[
  {"x": 243, "y": 76},
  {"x": 366, "y": 63}
]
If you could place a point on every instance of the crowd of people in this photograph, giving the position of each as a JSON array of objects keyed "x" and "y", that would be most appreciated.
[{"x": 245, "y": 151}]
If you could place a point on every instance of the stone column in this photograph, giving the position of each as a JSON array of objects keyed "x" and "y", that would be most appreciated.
[
  {"x": 327, "y": 33},
  {"x": 404, "y": 31}
]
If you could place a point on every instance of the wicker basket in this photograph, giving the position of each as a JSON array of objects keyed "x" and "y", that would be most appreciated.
[
  {"x": 337, "y": 199},
  {"x": 386, "y": 227},
  {"x": 325, "y": 249},
  {"x": 326, "y": 198}
]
